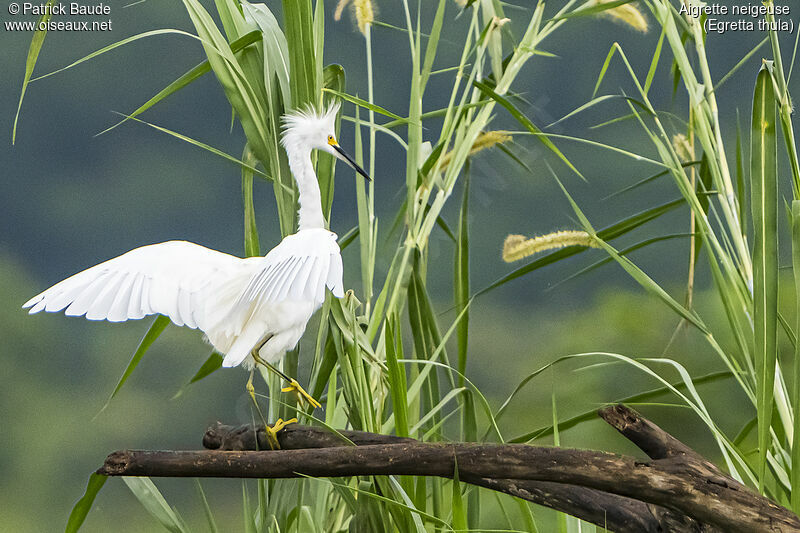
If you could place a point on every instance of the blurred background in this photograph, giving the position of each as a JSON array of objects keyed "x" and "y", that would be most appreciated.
[{"x": 70, "y": 199}]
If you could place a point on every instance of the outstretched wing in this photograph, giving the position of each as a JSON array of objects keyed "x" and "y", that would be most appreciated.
[
  {"x": 298, "y": 269},
  {"x": 171, "y": 278}
]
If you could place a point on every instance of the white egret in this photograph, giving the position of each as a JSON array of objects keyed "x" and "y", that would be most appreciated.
[{"x": 251, "y": 310}]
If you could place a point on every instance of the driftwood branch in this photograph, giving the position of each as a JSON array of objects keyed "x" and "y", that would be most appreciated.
[
  {"x": 692, "y": 493},
  {"x": 617, "y": 513}
]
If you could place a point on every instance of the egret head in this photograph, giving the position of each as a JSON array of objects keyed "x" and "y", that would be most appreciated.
[{"x": 308, "y": 130}]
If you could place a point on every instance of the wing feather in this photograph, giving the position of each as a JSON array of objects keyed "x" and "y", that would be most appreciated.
[
  {"x": 176, "y": 279},
  {"x": 146, "y": 283},
  {"x": 64, "y": 296},
  {"x": 198, "y": 308},
  {"x": 135, "y": 310},
  {"x": 298, "y": 287},
  {"x": 277, "y": 272},
  {"x": 262, "y": 280},
  {"x": 101, "y": 305},
  {"x": 118, "y": 311},
  {"x": 334, "y": 281},
  {"x": 87, "y": 296},
  {"x": 315, "y": 288},
  {"x": 298, "y": 269},
  {"x": 188, "y": 283},
  {"x": 164, "y": 301},
  {"x": 286, "y": 288},
  {"x": 284, "y": 279},
  {"x": 37, "y": 307},
  {"x": 185, "y": 308}
]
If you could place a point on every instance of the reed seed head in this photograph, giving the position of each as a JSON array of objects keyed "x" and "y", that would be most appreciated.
[
  {"x": 498, "y": 22},
  {"x": 682, "y": 147},
  {"x": 363, "y": 12},
  {"x": 627, "y": 14},
  {"x": 517, "y": 247},
  {"x": 485, "y": 139},
  {"x": 337, "y": 15}
]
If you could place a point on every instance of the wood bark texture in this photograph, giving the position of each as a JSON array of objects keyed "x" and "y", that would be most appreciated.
[{"x": 674, "y": 490}]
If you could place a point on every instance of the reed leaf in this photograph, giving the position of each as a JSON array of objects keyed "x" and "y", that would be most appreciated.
[
  {"x": 113, "y": 46},
  {"x": 625, "y": 251},
  {"x": 212, "y": 523},
  {"x": 30, "y": 62},
  {"x": 593, "y": 7},
  {"x": 211, "y": 365},
  {"x": 526, "y": 122},
  {"x": 397, "y": 377},
  {"x": 156, "y": 328},
  {"x": 153, "y": 501},
  {"x": 635, "y": 272},
  {"x": 246, "y": 166},
  {"x": 764, "y": 203},
  {"x": 299, "y": 24},
  {"x": 366, "y": 105},
  {"x": 461, "y": 281},
  {"x": 795, "y": 475},
  {"x": 185, "y": 80},
  {"x": 459, "y": 514},
  {"x": 252, "y": 248},
  {"x": 82, "y": 507},
  {"x": 333, "y": 77},
  {"x": 590, "y": 415}
]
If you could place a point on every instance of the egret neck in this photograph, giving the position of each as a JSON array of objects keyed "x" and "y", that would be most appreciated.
[{"x": 309, "y": 197}]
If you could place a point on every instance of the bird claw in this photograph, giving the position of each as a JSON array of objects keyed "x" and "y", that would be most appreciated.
[
  {"x": 301, "y": 394},
  {"x": 272, "y": 432}
]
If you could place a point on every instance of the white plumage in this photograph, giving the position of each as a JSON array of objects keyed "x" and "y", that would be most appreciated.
[
  {"x": 226, "y": 297},
  {"x": 237, "y": 303}
]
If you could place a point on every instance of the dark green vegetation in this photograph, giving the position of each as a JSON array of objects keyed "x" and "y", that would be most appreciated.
[{"x": 69, "y": 207}]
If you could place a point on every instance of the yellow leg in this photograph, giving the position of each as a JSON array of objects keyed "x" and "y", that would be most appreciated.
[
  {"x": 272, "y": 432},
  {"x": 251, "y": 390},
  {"x": 301, "y": 394},
  {"x": 294, "y": 386}
]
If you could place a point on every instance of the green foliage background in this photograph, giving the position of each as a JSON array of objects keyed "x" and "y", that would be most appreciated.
[{"x": 69, "y": 200}]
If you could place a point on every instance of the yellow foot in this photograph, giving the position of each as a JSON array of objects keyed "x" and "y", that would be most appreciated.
[
  {"x": 302, "y": 395},
  {"x": 251, "y": 390},
  {"x": 272, "y": 432}
]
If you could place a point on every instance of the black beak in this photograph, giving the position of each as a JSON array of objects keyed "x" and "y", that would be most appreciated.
[{"x": 350, "y": 161}]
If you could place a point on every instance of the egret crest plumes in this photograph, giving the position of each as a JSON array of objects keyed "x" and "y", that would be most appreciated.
[{"x": 307, "y": 128}]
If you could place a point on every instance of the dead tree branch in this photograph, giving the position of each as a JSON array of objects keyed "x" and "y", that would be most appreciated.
[
  {"x": 617, "y": 513},
  {"x": 676, "y": 478}
]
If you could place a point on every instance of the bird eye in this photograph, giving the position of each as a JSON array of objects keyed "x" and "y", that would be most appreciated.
[{"x": 331, "y": 140}]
